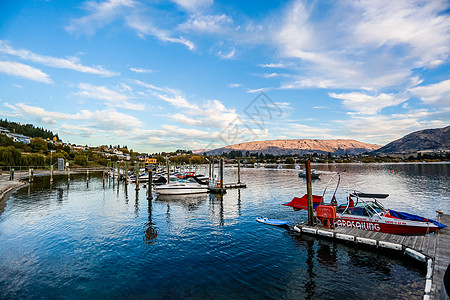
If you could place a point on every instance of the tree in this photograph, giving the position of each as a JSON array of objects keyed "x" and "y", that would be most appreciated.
[
  {"x": 290, "y": 161},
  {"x": 38, "y": 144},
  {"x": 6, "y": 141},
  {"x": 81, "y": 160}
]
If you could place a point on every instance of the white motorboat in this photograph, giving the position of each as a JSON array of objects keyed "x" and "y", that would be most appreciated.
[{"x": 181, "y": 188}]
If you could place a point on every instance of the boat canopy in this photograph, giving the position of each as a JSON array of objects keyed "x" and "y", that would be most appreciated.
[
  {"x": 411, "y": 217},
  {"x": 366, "y": 195},
  {"x": 302, "y": 203}
]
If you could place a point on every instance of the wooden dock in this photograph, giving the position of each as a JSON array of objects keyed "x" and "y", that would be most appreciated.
[{"x": 432, "y": 250}]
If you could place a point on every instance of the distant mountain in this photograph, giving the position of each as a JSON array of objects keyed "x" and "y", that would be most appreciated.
[
  {"x": 299, "y": 147},
  {"x": 428, "y": 139}
]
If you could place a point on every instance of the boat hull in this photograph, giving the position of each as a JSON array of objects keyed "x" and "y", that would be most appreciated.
[
  {"x": 180, "y": 190},
  {"x": 386, "y": 225}
]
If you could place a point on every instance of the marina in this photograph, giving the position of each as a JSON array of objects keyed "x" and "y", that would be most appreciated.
[{"x": 101, "y": 238}]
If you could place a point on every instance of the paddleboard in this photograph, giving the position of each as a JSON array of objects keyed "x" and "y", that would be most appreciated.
[{"x": 272, "y": 221}]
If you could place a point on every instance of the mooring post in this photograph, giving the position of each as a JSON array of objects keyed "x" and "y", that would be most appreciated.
[
  {"x": 103, "y": 177},
  {"x": 221, "y": 173},
  {"x": 209, "y": 170},
  {"x": 168, "y": 172},
  {"x": 51, "y": 173},
  {"x": 149, "y": 185},
  {"x": 137, "y": 176},
  {"x": 239, "y": 171},
  {"x": 309, "y": 192},
  {"x": 126, "y": 173},
  {"x": 29, "y": 174},
  {"x": 68, "y": 175},
  {"x": 118, "y": 172},
  {"x": 87, "y": 175}
]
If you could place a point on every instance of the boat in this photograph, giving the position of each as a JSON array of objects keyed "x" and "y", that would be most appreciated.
[
  {"x": 191, "y": 186},
  {"x": 274, "y": 222},
  {"x": 181, "y": 188},
  {"x": 314, "y": 174},
  {"x": 364, "y": 211}
]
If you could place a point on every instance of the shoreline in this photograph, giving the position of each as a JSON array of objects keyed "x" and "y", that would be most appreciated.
[{"x": 9, "y": 186}]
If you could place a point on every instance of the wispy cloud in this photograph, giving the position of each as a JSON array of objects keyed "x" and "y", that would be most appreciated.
[
  {"x": 438, "y": 93},
  {"x": 25, "y": 71},
  {"x": 141, "y": 70},
  {"x": 99, "y": 119},
  {"x": 112, "y": 98},
  {"x": 368, "y": 104},
  {"x": 234, "y": 85},
  {"x": 217, "y": 24},
  {"x": 101, "y": 14},
  {"x": 228, "y": 55},
  {"x": 72, "y": 63},
  {"x": 193, "y": 5},
  {"x": 272, "y": 65}
]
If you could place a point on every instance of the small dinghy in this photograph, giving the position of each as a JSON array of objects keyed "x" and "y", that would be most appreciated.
[{"x": 272, "y": 221}]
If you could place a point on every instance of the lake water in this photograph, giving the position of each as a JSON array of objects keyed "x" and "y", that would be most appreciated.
[{"x": 82, "y": 241}]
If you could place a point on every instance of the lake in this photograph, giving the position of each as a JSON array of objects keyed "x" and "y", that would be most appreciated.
[{"x": 79, "y": 240}]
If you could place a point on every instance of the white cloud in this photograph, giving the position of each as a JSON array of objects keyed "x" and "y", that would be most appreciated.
[
  {"x": 208, "y": 24},
  {"x": 25, "y": 71},
  {"x": 112, "y": 98},
  {"x": 228, "y": 55},
  {"x": 384, "y": 129},
  {"x": 92, "y": 121},
  {"x": 72, "y": 63},
  {"x": 271, "y": 75},
  {"x": 131, "y": 12},
  {"x": 367, "y": 45},
  {"x": 234, "y": 85},
  {"x": 102, "y": 14},
  {"x": 141, "y": 70},
  {"x": 433, "y": 93},
  {"x": 194, "y": 5},
  {"x": 174, "y": 97},
  {"x": 421, "y": 25},
  {"x": 144, "y": 28},
  {"x": 273, "y": 65},
  {"x": 368, "y": 104}
]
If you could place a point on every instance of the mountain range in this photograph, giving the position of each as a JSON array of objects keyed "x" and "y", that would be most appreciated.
[
  {"x": 428, "y": 139},
  {"x": 298, "y": 147}
]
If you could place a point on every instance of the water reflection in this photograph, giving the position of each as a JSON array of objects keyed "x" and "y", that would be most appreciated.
[
  {"x": 79, "y": 240},
  {"x": 150, "y": 232}
]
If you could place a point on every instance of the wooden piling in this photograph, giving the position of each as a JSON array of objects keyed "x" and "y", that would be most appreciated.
[
  {"x": 309, "y": 192},
  {"x": 149, "y": 185},
  {"x": 51, "y": 173},
  {"x": 221, "y": 173},
  {"x": 168, "y": 171},
  {"x": 137, "y": 176},
  {"x": 239, "y": 171},
  {"x": 29, "y": 174},
  {"x": 68, "y": 175},
  {"x": 87, "y": 175}
]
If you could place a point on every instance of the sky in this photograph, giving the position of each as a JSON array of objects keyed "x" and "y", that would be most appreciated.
[{"x": 202, "y": 74}]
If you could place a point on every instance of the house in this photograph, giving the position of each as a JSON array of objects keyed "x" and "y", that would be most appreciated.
[
  {"x": 4, "y": 130},
  {"x": 19, "y": 138}
]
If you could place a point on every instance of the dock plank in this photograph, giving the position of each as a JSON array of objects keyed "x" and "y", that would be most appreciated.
[{"x": 436, "y": 247}]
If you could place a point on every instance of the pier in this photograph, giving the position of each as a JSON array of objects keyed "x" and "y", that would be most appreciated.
[{"x": 432, "y": 250}]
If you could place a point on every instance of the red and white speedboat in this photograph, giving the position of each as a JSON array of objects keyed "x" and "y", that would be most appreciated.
[{"x": 364, "y": 211}]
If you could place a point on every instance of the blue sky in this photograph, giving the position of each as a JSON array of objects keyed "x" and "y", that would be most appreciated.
[{"x": 167, "y": 75}]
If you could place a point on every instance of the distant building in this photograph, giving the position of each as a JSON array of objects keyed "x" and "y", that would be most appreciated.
[
  {"x": 4, "y": 130},
  {"x": 19, "y": 138}
]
